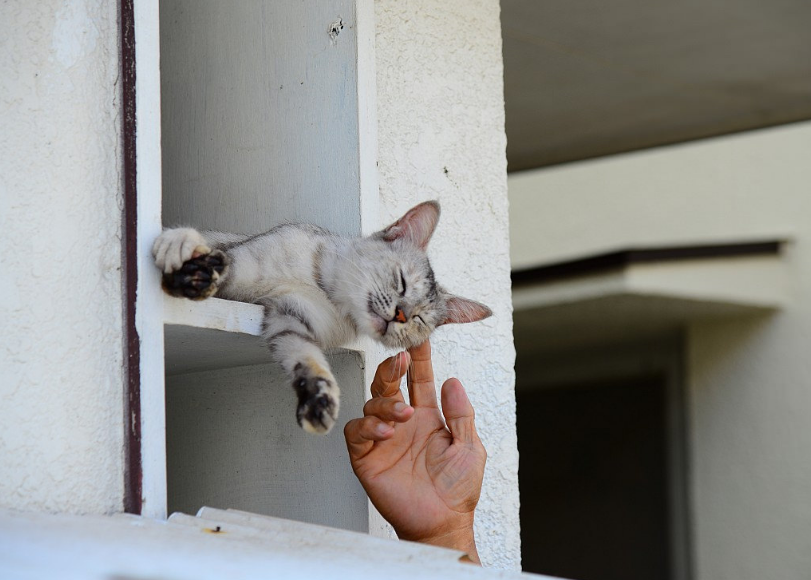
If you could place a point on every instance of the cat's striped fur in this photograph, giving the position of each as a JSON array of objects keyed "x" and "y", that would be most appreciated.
[{"x": 320, "y": 290}]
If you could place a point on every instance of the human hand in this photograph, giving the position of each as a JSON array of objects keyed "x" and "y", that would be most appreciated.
[{"x": 423, "y": 474}]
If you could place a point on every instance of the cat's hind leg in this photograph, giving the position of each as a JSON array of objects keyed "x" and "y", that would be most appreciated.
[
  {"x": 191, "y": 269},
  {"x": 292, "y": 343}
]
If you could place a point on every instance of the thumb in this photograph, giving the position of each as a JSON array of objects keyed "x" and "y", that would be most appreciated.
[{"x": 458, "y": 411}]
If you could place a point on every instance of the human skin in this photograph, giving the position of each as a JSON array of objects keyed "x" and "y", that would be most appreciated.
[{"x": 423, "y": 474}]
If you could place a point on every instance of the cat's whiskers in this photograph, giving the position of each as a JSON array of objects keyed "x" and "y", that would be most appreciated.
[
  {"x": 342, "y": 256},
  {"x": 410, "y": 373},
  {"x": 361, "y": 283},
  {"x": 356, "y": 283},
  {"x": 396, "y": 370}
]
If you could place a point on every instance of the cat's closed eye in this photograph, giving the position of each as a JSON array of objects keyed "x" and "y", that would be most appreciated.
[{"x": 402, "y": 284}]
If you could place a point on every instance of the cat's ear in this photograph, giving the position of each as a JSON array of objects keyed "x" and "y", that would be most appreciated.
[
  {"x": 460, "y": 310},
  {"x": 417, "y": 225}
]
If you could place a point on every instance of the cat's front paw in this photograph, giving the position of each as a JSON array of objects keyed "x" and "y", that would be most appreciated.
[
  {"x": 198, "y": 277},
  {"x": 318, "y": 400},
  {"x": 174, "y": 247},
  {"x": 190, "y": 268}
]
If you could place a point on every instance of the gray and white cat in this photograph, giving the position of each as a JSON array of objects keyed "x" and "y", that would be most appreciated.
[{"x": 320, "y": 290}]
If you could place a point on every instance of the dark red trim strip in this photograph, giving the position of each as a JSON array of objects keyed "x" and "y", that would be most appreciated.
[
  {"x": 133, "y": 477},
  {"x": 621, "y": 259}
]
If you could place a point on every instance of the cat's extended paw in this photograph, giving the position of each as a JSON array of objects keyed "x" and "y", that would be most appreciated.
[
  {"x": 318, "y": 401},
  {"x": 174, "y": 247},
  {"x": 198, "y": 277}
]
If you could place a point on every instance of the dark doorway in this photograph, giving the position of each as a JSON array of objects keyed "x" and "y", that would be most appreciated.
[{"x": 594, "y": 480}]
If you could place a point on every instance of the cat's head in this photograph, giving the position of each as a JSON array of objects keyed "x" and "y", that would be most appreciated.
[{"x": 402, "y": 304}]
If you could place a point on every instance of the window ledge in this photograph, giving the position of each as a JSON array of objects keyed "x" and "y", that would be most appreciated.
[
  {"x": 637, "y": 293},
  {"x": 216, "y": 544},
  {"x": 215, "y": 333}
]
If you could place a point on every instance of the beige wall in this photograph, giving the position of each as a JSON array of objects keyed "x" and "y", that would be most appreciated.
[
  {"x": 441, "y": 135},
  {"x": 748, "y": 380},
  {"x": 61, "y": 383}
]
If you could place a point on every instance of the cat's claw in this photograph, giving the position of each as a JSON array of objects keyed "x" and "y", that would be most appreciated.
[
  {"x": 318, "y": 403},
  {"x": 198, "y": 277}
]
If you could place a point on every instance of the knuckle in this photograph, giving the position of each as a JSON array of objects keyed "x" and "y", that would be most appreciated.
[
  {"x": 349, "y": 427},
  {"x": 369, "y": 425}
]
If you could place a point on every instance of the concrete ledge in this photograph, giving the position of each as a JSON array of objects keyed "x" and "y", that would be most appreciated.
[
  {"x": 641, "y": 299},
  {"x": 214, "y": 333}
]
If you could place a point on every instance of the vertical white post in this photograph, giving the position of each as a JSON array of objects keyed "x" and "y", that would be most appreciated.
[
  {"x": 149, "y": 303},
  {"x": 367, "y": 117},
  {"x": 370, "y": 221}
]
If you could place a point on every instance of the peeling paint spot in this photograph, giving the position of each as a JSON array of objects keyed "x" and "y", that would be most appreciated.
[{"x": 335, "y": 29}]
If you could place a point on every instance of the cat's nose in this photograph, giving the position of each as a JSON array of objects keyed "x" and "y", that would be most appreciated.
[{"x": 399, "y": 314}]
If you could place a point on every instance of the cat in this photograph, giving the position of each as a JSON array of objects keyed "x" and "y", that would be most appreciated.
[{"x": 319, "y": 291}]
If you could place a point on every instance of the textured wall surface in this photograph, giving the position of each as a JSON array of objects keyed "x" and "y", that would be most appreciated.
[
  {"x": 441, "y": 136},
  {"x": 749, "y": 393},
  {"x": 61, "y": 384}
]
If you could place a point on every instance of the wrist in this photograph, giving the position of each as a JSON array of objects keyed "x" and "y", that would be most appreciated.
[{"x": 461, "y": 538}]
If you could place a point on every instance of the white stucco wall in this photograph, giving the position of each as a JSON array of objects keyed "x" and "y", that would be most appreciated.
[
  {"x": 441, "y": 136},
  {"x": 61, "y": 390},
  {"x": 748, "y": 381},
  {"x": 61, "y": 383}
]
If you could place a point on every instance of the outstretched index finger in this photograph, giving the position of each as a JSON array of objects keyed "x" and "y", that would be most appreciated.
[
  {"x": 421, "y": 386},
  {"x": 389, "y": 375}
]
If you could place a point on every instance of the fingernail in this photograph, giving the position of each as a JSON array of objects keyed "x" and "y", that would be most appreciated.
[
  {"x": 400, "y": 407},
  {"x": 383, "y": 429}
]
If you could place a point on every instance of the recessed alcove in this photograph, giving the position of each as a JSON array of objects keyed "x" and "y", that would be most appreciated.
[{"x": 262, "y": 121}]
